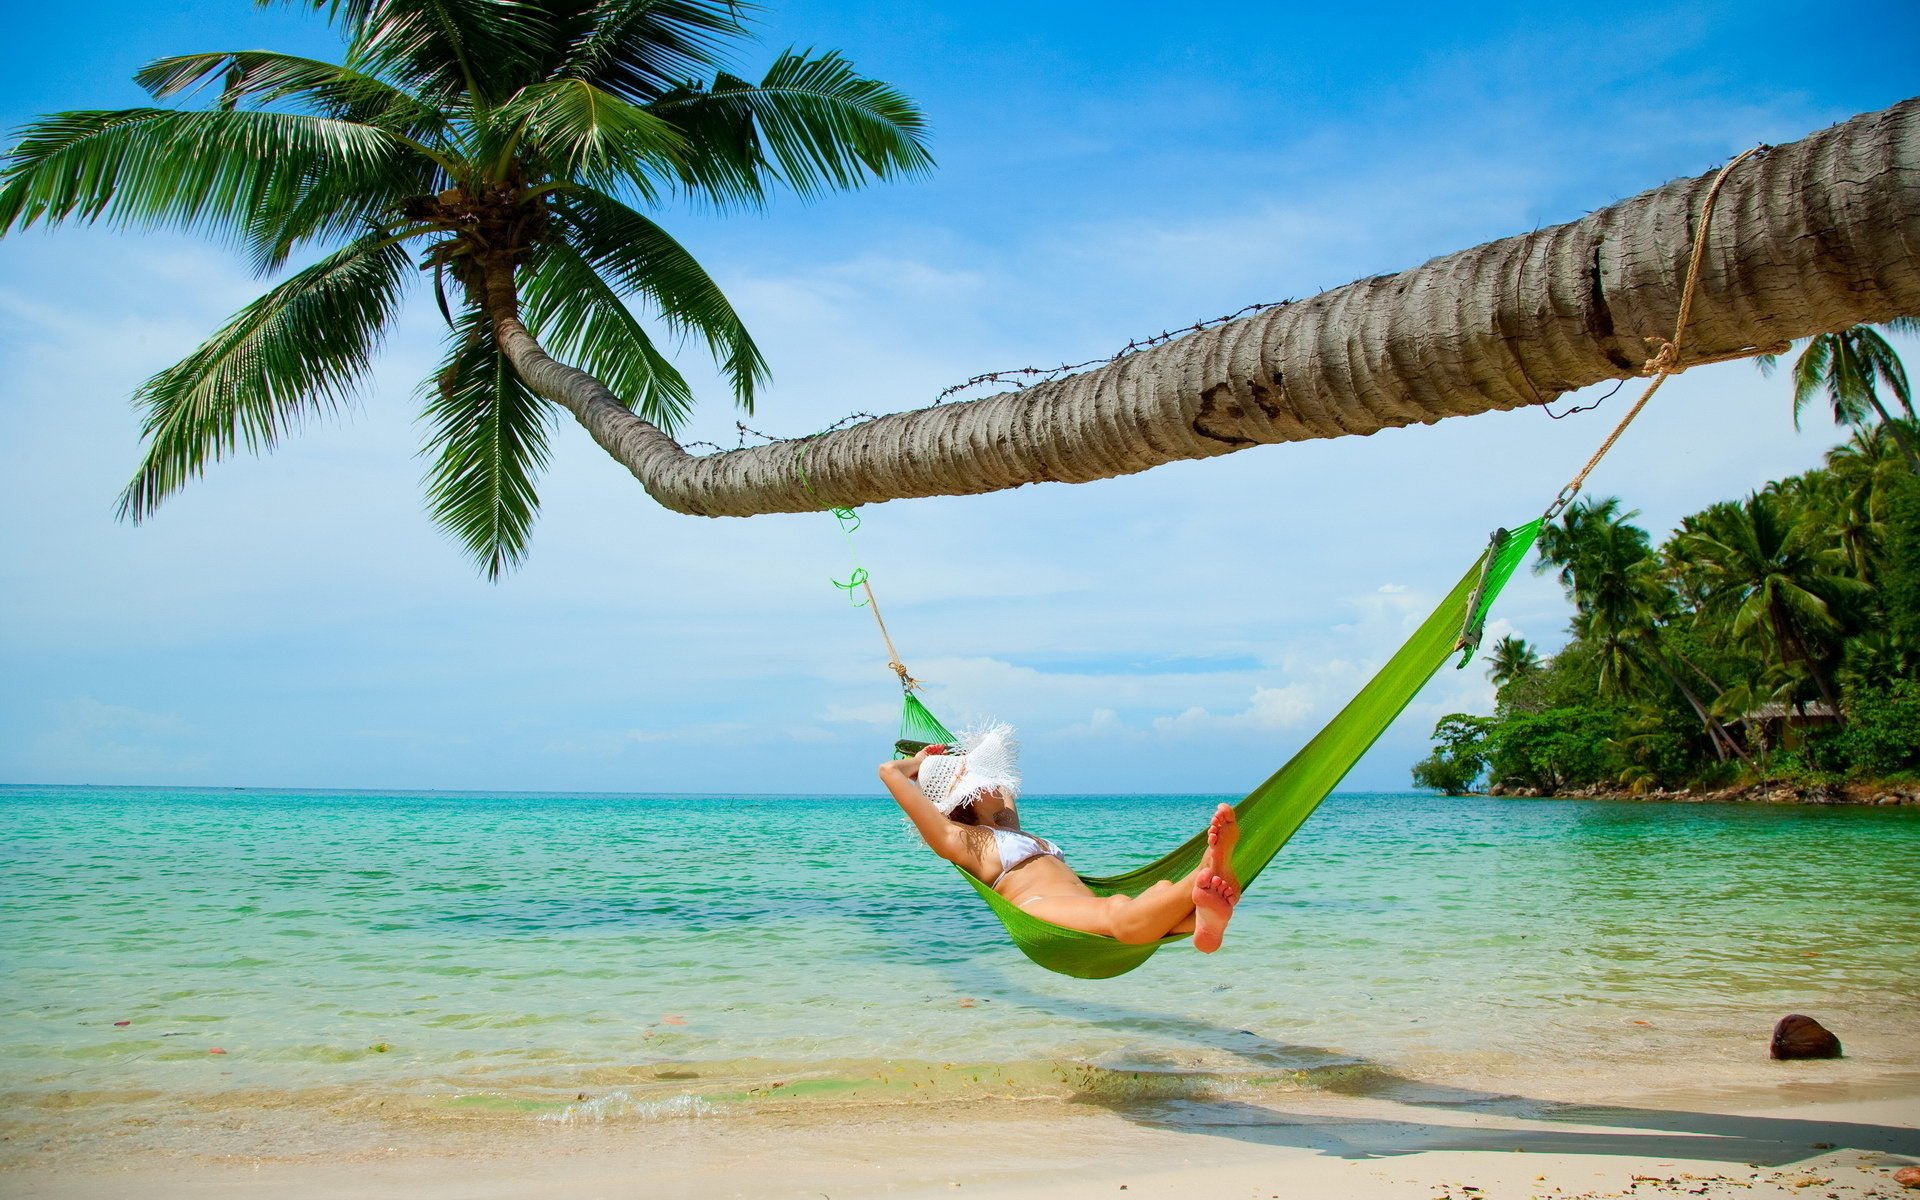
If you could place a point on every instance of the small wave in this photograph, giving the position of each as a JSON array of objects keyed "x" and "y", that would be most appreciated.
[{"x": 624, "y": 1106}]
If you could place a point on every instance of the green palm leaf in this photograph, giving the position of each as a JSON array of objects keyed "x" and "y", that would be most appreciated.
[
  {"x": 1810, "y": 373},
  {"x": 488, "y": 438},
  {"x": 298, "y": 351},
  {"x": 641, "y": 259},
  {"x": 218, "y": 171},
  {"x": 452, "y": 53},
  {"x": 813, "y": 123},
  {"x": 1880, "y": 363},
  {"x": 265, "y": 78},
  {"x": 574, "y": 312},
  {"x": 578, "y": 131},
  {"x": 641, "y": 49}
]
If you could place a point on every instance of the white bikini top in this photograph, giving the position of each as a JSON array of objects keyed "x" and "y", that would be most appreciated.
[{"x": 1016, "y": 847}]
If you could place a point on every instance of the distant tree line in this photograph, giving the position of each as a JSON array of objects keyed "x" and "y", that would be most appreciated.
[{"x": 1778, "y": 635}]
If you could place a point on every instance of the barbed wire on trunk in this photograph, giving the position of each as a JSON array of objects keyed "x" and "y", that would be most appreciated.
[
  {"x": 1019, "y": 378},
  {"x": 1025, "y": 377},
  {"x": 743, "y": 431},
  {"x": 1580, "y": 408}
]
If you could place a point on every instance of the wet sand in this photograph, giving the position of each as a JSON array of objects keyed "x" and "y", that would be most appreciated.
[{"x": 1801, "y": 1140}]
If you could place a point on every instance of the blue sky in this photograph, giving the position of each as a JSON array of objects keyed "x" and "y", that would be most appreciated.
[{"x": 1105, "y": 171}]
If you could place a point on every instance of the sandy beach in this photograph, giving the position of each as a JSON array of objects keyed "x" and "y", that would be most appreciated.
[
  {"x": 1799, "y": 1139},
  {"x": 1561, "y": 999}
]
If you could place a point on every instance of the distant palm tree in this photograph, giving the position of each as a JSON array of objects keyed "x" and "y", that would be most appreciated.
[
  {"x": 1606, "y": 564},
  {"x": 1620, "y": 594},
  {"x": 505, "y": 143},
  {"x": 1849, "y": 367},
  {"x": 1852, "y": 496},
  {"x": 1773, "y": 580},
  {"x": 1513, "y": 659}
]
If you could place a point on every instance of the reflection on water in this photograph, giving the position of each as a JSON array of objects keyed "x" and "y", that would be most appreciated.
[{"x": 689, "y": 951}]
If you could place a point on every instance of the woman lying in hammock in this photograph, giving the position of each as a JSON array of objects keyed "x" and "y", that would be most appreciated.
[{"x": 963, "y": 805}]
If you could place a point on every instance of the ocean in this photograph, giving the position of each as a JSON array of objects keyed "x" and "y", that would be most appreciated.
[{"x": 535, "y": 957}]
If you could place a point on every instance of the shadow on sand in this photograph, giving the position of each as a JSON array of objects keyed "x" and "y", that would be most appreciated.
[{"x": 1484, "y": 1120}]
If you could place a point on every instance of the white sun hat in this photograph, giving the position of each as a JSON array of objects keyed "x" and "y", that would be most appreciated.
[{"x": 987, "y": 762}]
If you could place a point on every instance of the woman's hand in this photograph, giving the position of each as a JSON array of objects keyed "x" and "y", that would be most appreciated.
[{"x": 910, "y": 767}]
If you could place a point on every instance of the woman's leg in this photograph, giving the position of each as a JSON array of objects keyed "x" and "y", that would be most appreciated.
[
  {"x": 1200, "y": 903},
  {"x": 1154, "y": 913}
]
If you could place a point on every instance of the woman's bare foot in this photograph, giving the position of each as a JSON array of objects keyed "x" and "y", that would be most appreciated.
[
  {"x": 1213, "y": 901},
  {"x": 1215, "y": 889}
]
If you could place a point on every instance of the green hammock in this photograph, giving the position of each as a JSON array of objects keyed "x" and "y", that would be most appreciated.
[{"x": 1278, "y": 807}]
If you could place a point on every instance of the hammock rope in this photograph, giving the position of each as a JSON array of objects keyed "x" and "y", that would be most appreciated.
[
  {"x": 860, "y": 580},
  {"x": 1664, "y": 362},
  {"x": 1271, "y": 814}
]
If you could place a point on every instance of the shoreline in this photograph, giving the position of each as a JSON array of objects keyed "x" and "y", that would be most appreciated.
[
  {"x": 1766, "y": 791},
  {"x": 1798, "y": 1138}
]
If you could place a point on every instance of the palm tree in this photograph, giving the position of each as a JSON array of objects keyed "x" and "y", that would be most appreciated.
[
  {"x": 1606, "y": 566},
  {"x": 1852, "y": 495},
  {"x": 1849, "y": 367},
  {"x": 501, "y": 146},
  {"x": 1519, "y": 321},
  {"x": 1621, "y": 596},
  {"x": 1778, "y": 588},
  {"x": 1513, "y": 659},
  {"x": 482, "y": 87}
]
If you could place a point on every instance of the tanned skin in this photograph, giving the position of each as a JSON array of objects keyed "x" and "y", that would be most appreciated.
[{"x": 1201, "y": 904}]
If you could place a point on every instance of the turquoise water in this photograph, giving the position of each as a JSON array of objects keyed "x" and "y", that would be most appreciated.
[{"x": 563, "y": 956}]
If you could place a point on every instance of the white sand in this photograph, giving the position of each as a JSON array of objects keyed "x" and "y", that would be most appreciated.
[{"x": 1811, "y": 1143}]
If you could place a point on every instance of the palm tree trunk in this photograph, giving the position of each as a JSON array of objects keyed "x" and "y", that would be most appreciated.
[
  {"x": 1898, "y": 431},
  {"x": 1814, "y": 236},
  {"x": 1793, "y": 645},
  {"x": 1717, "y": 732}
]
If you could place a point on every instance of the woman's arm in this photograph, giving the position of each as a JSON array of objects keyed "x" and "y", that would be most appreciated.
[{"x": 940, "y": 834}]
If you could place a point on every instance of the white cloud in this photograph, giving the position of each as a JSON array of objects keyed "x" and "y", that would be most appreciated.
[{"x": 113, "y": 738}]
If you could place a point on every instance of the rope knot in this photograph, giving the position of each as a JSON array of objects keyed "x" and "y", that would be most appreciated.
[
  {"x": 855, "y": 584},
  {"x": 1664, "y": 358}
]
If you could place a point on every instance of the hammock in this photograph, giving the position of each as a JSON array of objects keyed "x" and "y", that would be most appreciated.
[
  {"x": 1271, "y": 814},
  {"x": 1274, "y": 810}
]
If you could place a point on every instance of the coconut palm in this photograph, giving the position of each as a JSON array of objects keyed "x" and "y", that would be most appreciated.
[
  {"x": 1773, "y": 581},
  {"x": 1621, "y": 596},
  {"x": 1512, "y": 659},
  {"x": 1607, "y": 566},
  {"x": 508, "y": 148},
  {"x": 1849, "y": 367},
  {"x": 1850, "y": 498},
  {"x": 1515, "y": 322}
]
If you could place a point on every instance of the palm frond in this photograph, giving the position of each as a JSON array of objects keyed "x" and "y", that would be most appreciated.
[
  {"x": 1880, "y": 363},
  {"x": 298, "y": 351},
  {"x": 642, "y": 49},
  {"x": 487, "y": 434},
  {"x": 576, "y": 314},
  {"x": 575, "y": 130},
  {"x": 471, "y": 53},
  {"x": 1810, "y": 373},
  {"x": 813, "y": 123},
  {"x": 640, "y": 259},
  {"x": 218, "y": 171},
  {"x": 264, "y": 77}
]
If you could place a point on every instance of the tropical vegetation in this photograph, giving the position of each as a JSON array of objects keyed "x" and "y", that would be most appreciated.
[{"x": 1773, "y": 635}]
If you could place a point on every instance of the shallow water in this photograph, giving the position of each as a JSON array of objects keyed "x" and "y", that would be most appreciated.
[{"x": 592, "y": 956}]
